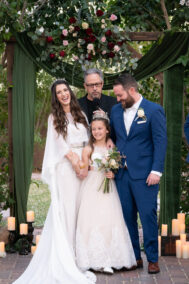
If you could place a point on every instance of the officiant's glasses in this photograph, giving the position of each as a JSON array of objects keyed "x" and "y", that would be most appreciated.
[{"x": 97, "y": 85}]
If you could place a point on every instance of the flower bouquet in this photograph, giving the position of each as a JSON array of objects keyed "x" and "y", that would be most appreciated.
[{"x": 110, "y": 162}]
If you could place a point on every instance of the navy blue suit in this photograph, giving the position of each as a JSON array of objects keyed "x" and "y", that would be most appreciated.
[
  {"x": 145, "y": 149},
  {"x": 186, "y": 132}
]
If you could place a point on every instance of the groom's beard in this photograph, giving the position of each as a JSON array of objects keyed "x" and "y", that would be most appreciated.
[{"x": 128, "y": 102}]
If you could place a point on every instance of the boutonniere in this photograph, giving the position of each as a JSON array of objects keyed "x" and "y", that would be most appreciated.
[{"x": 141, "y": 114}]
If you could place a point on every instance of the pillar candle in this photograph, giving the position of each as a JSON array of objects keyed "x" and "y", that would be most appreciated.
[
  {"x": 183, "y": 238},
  {"x": 182, "y": 228},
  {"x": 11, "y": 223},
  {"x": 37, "y": 239},
  {"x": 30, "y": 216},
  {"x": 159, "y": 245},
  {"x": 2, "y": 247},
  {"x": 184, "y": 251},
  {"x": 178, "y": 248},
  {"x": 175, "y": 227},
  {"x": 164, "y": 230},
  {"x": 33, "y": 249},
  {"x": 181, "y": 217},
  {"x": 23, "y": 229}
]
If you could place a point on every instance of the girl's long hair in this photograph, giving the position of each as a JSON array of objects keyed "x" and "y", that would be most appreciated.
[
  {"x": 92, "y": 139},
  {"x": 60, "y": 119}
]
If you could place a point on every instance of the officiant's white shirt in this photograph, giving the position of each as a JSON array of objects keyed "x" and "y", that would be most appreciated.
[{"x": 129, "y": 115}]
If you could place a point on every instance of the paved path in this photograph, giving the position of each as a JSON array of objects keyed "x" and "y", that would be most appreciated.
[{"x": 173, "y": 271}]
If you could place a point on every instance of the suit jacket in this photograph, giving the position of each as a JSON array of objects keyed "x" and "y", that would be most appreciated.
[
  {"x": 186, "y": 132},
  {"x": 106, "y": 103},
  {"x": 145, "y": 146}
]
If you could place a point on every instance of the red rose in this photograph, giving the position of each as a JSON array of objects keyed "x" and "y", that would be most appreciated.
[
  {"x": 49, "y": 39},
  {"x": 111, "y": 45},
  {"x": 92, "y": 38},
  {"x": 72, "y": 20},
  {"x": 89, "y": 31},
  {"x": 99, "y": 13},
  {"x": 62, "y": 53},
  {"x": 111, "y": 54},
  {"x": 120, "y": 43},
  {"x": 108, "y": 33},
  {"x": 52, "y": 55},
  {"x": 86, "y": 39},
  {"x": 89, "y": 57},
  {"x": 76, "y": 28}
]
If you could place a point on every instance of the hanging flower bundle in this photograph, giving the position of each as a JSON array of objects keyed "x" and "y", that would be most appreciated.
[{"x": 98, "y": 42}]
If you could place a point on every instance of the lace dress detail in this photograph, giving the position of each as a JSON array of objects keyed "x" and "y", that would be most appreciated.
[{"x": 102, "y": 238}]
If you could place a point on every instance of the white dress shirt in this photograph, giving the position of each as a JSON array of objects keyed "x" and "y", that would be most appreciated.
[{"x": 129, "y": 115}]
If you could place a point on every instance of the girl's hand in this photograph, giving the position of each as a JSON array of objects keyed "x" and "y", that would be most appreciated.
[{"x": 110, "y": 174}]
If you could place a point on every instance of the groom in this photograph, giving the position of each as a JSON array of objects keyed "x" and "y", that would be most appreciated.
[{"x": 138, "y": 128}]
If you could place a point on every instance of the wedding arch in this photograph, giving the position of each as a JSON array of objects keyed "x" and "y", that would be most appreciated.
[{"x": 22, "y": 64}]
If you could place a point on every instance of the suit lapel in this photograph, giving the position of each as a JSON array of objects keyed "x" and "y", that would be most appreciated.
[
  {"x": 134, "y": 122},
  {"x": 122, "y": 124}
]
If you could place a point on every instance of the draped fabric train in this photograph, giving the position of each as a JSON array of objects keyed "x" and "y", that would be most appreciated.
[{"x": 54, "y": 261}]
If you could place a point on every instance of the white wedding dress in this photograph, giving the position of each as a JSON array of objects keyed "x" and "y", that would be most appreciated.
[
  {"x": 102, "y": 238},
  {"x": 54, "y": 259}
]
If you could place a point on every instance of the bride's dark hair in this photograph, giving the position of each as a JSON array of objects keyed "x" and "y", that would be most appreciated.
[
  {"x": 92, "y": 139},
  {"x": 60, "y": 119}
]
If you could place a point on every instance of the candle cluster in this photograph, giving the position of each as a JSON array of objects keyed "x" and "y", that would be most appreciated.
[
  {"x": 23, "y": 230},
  {"x": 178, "y": 229},
  {"x": 33, "y": 248},
  {"x": 23, "y": 227}
]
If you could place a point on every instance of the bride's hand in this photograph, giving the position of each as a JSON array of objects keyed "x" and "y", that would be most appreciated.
[{"x": 110, "y": 174}]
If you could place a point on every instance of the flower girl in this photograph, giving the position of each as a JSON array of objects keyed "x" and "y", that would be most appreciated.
[{"x": 102, "y": 238}]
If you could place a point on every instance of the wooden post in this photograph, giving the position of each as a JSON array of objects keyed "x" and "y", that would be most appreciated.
[
  {"x": 10, "y": 59},
  {"x": 161, "y": 94}
]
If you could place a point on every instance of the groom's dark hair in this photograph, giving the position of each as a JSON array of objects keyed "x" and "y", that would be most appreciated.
[{"x": 127, "y": 81}]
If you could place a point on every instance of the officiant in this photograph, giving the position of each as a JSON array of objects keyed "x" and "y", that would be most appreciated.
[{"x": 94, "y": 99}]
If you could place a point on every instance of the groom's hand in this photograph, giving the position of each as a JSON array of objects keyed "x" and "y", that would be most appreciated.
[{"x": 152, "y": 179}]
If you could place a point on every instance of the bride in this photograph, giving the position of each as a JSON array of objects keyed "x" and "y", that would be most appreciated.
[{"x": 54, "y": 259}]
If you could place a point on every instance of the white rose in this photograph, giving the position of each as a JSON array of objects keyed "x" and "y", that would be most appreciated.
[
  {"x": 71, "y": 29},
  {"x": 112, "y": 163},
  {"x": 85, "y": 25},
  {"x": 74, "y": 34},
  {"x": 140, "y": 113}
]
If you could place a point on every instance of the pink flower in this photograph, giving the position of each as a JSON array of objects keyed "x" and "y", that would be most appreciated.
[
  {"x": 75, "y": 57},
  {"x": 116, "y": 48},
  {"x": 113, "y": 17},
  {"x": 90, "y": 46},
  {"x": 65, "y": 42},
  {"x": 103, "y": 52},
  {"x": 103, "y": 39},
  {"x": 65, "y": 32}
]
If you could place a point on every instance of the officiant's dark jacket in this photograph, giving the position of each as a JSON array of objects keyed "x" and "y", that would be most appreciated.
[{"x": 106, "y": 104}]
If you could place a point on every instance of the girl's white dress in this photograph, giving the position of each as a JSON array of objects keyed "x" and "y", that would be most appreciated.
[
  {"x": 102, "y": 238},
  {"x": 54, "y": 259}
]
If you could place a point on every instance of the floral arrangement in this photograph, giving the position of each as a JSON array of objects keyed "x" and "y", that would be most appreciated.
[
  {"x": 110, "y": 162},
  {"x": 98, "y": 42}
]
